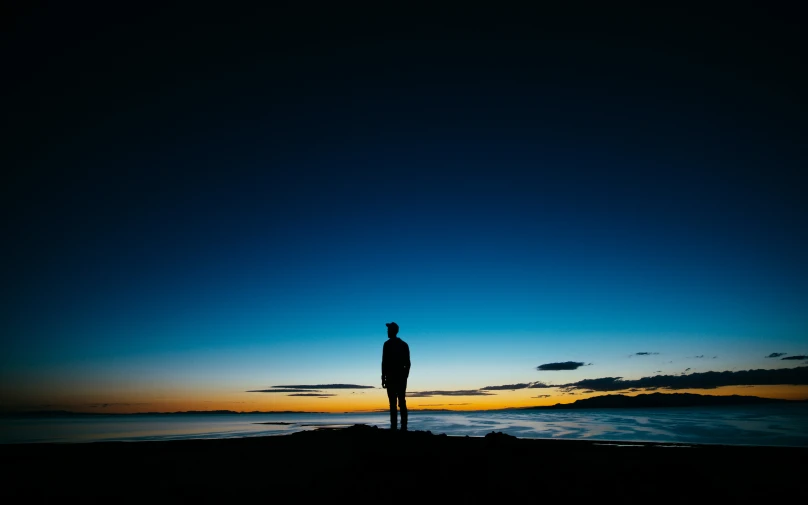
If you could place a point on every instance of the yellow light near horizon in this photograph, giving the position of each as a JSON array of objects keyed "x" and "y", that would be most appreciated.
[{"x": 370, "y": 400}]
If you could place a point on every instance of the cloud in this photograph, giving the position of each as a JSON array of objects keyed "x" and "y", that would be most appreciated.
[
  {"x": 283, "y": 390},
  {"x": 776, "y": 354},
  {"x": 308, "y": 388},
  {"x": 442, "y": 404},
  {"x": 800, "y": 357},
  {"x": 318, "y": 395},
  {"x": 643, "y": 353},
  {"x": 541, "y": 396},
  {"x": 699, "y": 380},
  {"x": 107, "y": 405},
  {"x": 514, "y": 387},
  {"x": 566, "y": 365},
  {"x": 326, "y": 386},
  {"x": 506, "y": 387},
  {"x": 429, "y": 394},
  {"x": 485, "y": 391}
]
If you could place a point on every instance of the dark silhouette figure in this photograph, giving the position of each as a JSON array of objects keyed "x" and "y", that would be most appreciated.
[{"x": 395, "y": 371}]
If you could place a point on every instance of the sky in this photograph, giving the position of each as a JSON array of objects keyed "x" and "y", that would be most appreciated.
[{"x": 215, "y": 209}]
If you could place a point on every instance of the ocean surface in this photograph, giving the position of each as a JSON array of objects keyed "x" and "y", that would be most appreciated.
[{"x": 785, "y": 425}]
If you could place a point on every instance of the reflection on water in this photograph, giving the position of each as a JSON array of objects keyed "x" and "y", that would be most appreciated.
[{"x": 785, "y": 425}]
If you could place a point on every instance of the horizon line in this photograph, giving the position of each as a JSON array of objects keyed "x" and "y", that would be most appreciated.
[{"x": 380, "y": 410}]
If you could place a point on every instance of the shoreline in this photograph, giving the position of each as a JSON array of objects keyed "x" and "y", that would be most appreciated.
[
  {"x": 747, "y": 426},
  {"x": 359, "y": 462}
]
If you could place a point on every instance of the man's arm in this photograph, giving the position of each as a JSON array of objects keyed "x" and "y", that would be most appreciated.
[
  {"x": 384, "y": 365},
  {"x": 407, "y": 363}
]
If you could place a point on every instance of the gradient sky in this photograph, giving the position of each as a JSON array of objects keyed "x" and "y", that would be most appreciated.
[{"x": 204, "y": 205}]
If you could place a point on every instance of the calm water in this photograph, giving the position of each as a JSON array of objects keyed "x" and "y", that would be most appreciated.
[{"x": 748, "y": 425}]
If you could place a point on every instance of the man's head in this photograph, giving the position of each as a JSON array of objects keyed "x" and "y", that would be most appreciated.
[{"x": 392, "y": 329}]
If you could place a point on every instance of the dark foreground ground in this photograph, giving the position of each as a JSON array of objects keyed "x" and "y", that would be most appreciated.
[{"x": 364, "y": 464}]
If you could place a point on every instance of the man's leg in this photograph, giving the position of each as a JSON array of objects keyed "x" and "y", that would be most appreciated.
[{"x": 391, "y": 397}]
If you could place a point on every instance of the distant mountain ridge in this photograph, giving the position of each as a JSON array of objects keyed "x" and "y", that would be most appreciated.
[{"x": 649, "y": 400}]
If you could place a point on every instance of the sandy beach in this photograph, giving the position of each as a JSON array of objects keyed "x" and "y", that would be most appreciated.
[{"x": 367, "y": 464}]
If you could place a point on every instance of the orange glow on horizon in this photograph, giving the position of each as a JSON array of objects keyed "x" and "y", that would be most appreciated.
[{"x": 373, "y": 400}]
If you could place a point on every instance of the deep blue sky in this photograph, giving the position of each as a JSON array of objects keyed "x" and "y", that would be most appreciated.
[{"x": 567, "y": 185}]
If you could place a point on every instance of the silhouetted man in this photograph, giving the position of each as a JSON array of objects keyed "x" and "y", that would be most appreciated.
[{"x": 395, "y": 371}]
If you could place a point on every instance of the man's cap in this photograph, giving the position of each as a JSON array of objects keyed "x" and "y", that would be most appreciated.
[{"x": 393, "y": 326}]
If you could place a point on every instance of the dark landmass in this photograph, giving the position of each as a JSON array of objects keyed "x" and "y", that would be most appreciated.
[
  {"x": 366, "y": 464},
  {"x": 664, "y": 400}
]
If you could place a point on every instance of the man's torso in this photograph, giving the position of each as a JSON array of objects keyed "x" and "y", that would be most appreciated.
[{"x": 396, "y": 359}]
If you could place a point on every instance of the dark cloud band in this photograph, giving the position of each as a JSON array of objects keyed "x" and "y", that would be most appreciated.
[
  {"x": 325, "y": 386},
  {"x": 565, "y": 365},
  {"x": 429, "y": 394},
  {"x": 706, "y": 380}
]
